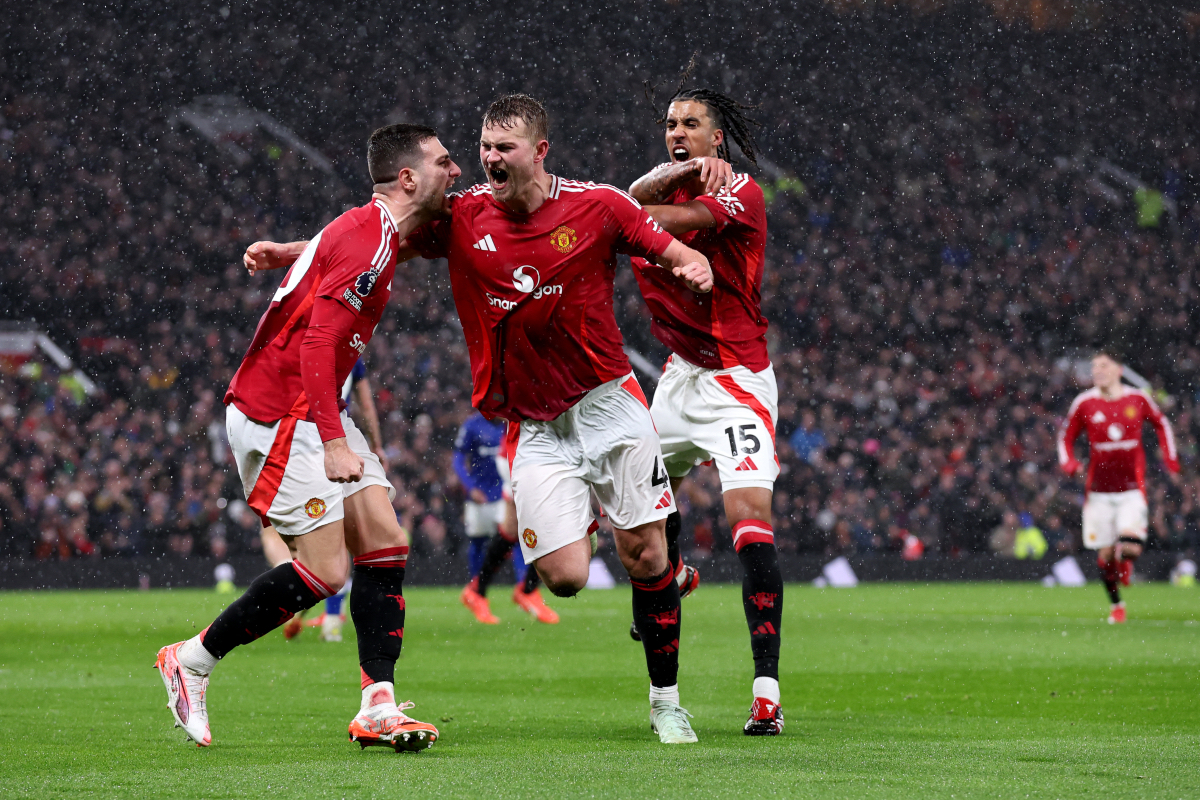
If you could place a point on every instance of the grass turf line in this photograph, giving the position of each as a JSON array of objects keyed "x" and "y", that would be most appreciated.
[{"x": 889, "y": 690}]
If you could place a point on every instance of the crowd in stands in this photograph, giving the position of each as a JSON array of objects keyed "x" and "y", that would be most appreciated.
[{"x": 941, "y": 256}]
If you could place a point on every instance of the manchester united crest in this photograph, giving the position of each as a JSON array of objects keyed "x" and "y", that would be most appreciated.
[
  {"x": 563, "y": 239},
  {"x": 315, "y": 508},
  {"x": 530, "y": 538}
]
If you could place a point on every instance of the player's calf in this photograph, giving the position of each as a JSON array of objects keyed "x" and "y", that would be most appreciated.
[
  {"x": 1126, "y": 552},
  {"x": 274, "y": 598},
  {"x": 762, "y": 601},
  {"x": 377, "y": 608}
]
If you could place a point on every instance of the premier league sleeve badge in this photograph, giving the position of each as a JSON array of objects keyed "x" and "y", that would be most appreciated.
[{"x": 364, "y": 283}]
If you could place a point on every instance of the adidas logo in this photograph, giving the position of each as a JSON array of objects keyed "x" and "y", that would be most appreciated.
[
  {"x": 486, "y": 244},
  {"x": 664, "y": 501},
  {"x": 746, "y": 464},
  {"x": 764, "y": 629}
]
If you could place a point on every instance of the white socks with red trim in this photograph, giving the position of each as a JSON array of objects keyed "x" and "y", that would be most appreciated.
[
  {"x": 195, "y": 657},
  {"x": 767, "y": 688}
]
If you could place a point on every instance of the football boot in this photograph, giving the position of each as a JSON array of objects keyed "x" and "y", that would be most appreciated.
[
  {"x": 766, "y": 718},
  {"x": 185, "y": 695}
]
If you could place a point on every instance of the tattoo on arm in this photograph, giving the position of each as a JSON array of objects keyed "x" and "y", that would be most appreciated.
[{"x": 654, "y": 187}]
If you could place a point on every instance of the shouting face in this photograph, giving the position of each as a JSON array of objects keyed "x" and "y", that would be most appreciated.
[
  {"x": 510, "y": 158},
  {"x": 691, "y": 131},
  {"x": 434, "y": 175}
]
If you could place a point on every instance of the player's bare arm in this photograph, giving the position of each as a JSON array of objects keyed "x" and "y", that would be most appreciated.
[
  {"x": 657, "y": 185},
  {"x": 689, "y": 265},
  {"x": 265, "y": 256},
  {"x": 682, "y": 218}
]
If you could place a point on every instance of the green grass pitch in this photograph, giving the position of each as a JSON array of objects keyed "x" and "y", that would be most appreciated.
[{"x": 947, "y": 691}]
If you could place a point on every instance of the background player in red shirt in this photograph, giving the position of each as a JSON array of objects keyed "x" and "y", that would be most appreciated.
[
  {"x": 305, "y": 467},
  {"x": 717, "y": 399},
  {"x": 532, "y": 260},
  {"x": 1114, "y": 511}
]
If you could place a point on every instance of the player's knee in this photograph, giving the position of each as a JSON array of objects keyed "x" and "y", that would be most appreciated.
[
  {"x": 564, "y": 585},
  {"x": 332, "y": 571},
  {"x": 1131, "y": 548},
  {"x": 646, "y": 561}
]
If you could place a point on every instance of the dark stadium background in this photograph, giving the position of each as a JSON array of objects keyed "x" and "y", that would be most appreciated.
[{"x": 966, "y": 197}]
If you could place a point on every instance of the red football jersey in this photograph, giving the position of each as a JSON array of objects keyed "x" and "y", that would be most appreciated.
[
  {"x": 352, "y": 261},
  {"x": 723, "y": 328},
  {"x": 1116, "y": 459},
  {"x": 534, "y": 292}
]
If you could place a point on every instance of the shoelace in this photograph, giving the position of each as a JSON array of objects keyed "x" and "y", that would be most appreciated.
[
  {"x": 678, "y": 714},
  {"x": 196, "y": 687}
]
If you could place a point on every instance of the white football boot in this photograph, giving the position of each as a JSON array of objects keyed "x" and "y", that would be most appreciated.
[
  {"x": 185, "y": 695},
  {"x": 671, "y": 724}
]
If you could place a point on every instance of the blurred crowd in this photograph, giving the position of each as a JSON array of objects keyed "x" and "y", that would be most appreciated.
[{"x": 941, "y": 254}]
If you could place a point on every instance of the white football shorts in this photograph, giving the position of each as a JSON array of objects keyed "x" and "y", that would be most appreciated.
[
  {"x": 604, "y": 444},
  {"x": 1109, "y": 515},
  {"x": 482, "y": 519},
  {"x": 726, "y": 416},
  {"x": 282, "y": 467}
]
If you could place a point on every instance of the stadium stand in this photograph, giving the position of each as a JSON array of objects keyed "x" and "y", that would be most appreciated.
[{"x": 948, "y": 247}]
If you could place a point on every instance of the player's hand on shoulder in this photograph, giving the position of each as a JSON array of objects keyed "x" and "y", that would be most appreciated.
[
  {"x": 697, "y": 275},
  {"x": 716, "y": 173},
  {"x": 265, "y": 256},
  {"x": 342, "y": 465}
]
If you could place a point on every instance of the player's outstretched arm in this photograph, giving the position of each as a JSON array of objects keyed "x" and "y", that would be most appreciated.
[
  {"x": 657, "y": 185},
  {"x": 688, "y": 265},
  {"x": 265, "y": 256}
]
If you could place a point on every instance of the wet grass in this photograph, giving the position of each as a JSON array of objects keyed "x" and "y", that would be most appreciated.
[{"x": 890, "y": 691}]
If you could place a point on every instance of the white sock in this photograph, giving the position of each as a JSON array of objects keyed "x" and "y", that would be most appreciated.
[
  {"x": 668, "y": 694},
  {"x": 768, "y": 688},
  {"x": 193, "y": 655},
  {"x": 375, "y": 694}
]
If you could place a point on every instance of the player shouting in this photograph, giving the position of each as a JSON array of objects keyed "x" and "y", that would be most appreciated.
[
  {"x": 305, "y": 467},
  {"x": 532, "y": 260},
  {"x": 1114, "y": 512},
  {"x": 717, "y": 400}
]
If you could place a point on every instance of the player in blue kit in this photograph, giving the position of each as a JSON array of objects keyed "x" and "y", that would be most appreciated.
[
  {"x": 475, "y": 450},
  {"x": 490, "y": 519}
]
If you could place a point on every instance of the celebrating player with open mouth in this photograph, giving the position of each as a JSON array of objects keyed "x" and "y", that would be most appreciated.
[
  {"x": 717, "y": 400},
  {"x": 1114, "y": 513},
  {"x": 532, "y": 261},
  {"x": 305, "y": 467}
]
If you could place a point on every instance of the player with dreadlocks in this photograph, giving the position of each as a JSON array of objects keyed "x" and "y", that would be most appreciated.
[{"x": 717, "y": 400}]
